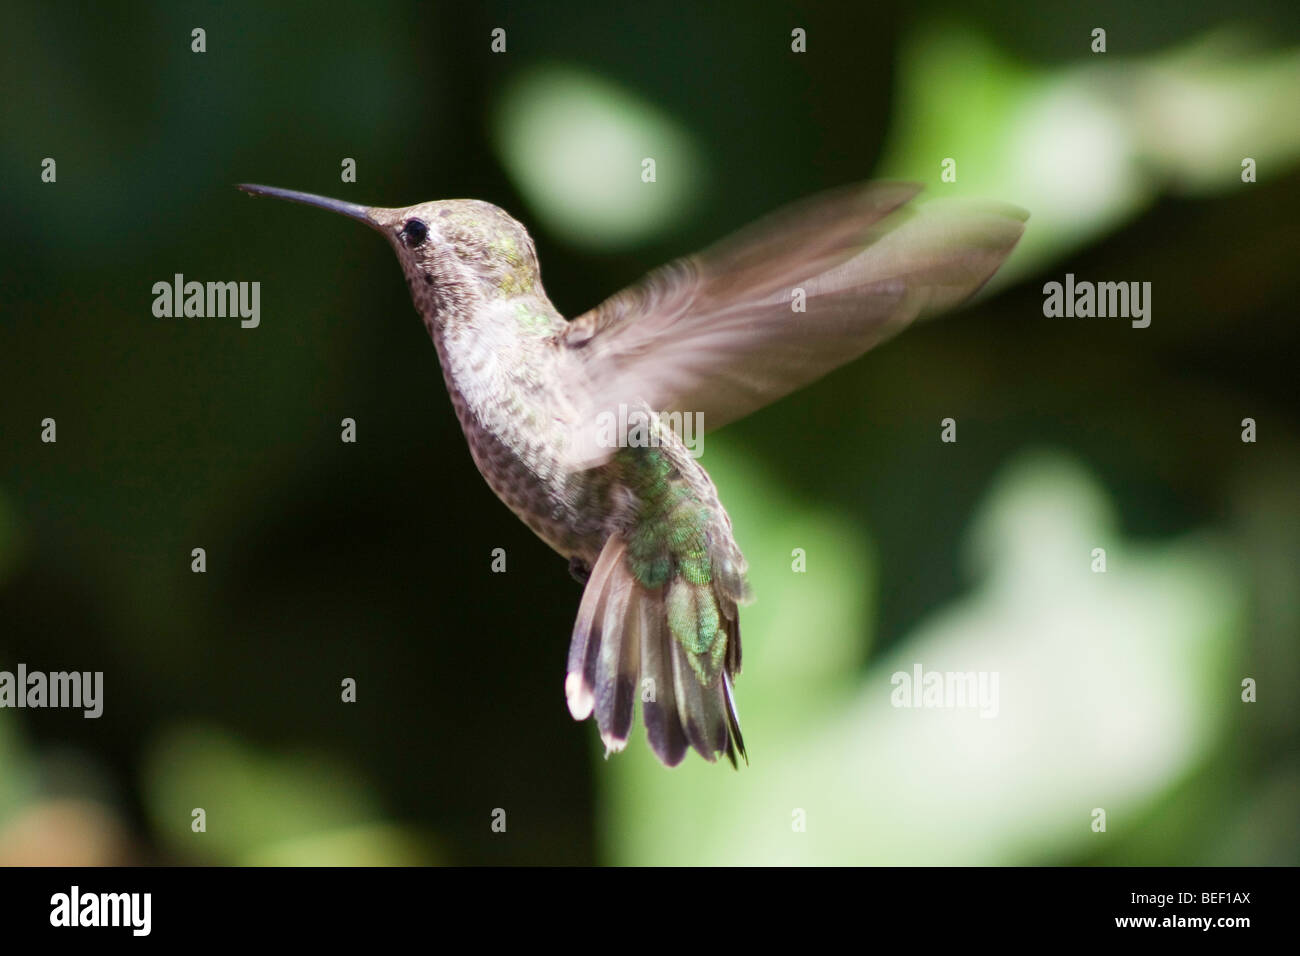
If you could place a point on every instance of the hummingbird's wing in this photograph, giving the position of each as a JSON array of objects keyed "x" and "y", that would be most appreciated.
[{"x": 778, "y": 305}]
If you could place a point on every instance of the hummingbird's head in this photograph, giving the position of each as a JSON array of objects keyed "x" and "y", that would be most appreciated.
[
  {"x": 461, "y": 249},
  {"x": 457, "y": 254}
]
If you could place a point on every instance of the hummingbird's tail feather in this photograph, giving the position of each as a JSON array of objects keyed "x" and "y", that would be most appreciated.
[
  {"x": 605, "y": 653},
  {"x": 618, "y": 662},
  {"x": 701, "y": 709},
  {"x": 662, "y": 724},
  {"x": 737, "y": 741},
  {"x": 580, "y": 679},
  {"x": 629, "y": 638}
]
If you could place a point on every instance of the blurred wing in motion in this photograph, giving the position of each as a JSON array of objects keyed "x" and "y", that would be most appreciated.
[{"x": 721, "y": 333}]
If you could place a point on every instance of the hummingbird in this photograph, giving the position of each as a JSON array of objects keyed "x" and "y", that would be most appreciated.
[{"x": 718, "y": 335}]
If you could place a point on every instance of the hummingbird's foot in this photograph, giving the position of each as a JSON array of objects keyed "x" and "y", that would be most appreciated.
[{"x": 580, "y": 569}]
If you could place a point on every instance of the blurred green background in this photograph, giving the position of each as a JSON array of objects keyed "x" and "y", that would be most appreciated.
[{"x": 372, "y": 560}]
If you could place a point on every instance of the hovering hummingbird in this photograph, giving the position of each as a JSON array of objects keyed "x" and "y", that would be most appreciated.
[{"x": 719, "y": 334}]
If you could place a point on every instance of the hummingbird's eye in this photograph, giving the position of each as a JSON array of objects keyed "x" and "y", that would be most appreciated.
[{"x": 414, "y": 232}]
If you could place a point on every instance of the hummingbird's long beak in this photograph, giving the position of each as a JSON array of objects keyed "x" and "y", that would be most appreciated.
[{"x": 351, "y": 210}]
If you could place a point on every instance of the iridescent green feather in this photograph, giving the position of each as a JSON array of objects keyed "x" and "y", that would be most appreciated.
[{"x": 670, "y": 546}]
